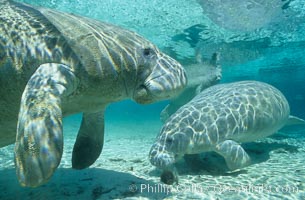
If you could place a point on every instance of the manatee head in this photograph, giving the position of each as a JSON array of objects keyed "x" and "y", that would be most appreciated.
[
  {"x": 148, "y": 75},
  {"x": 159, "y": 76},
  {"x": 169, "y": 146}
]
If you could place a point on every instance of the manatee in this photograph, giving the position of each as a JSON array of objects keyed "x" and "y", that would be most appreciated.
[
  {"x": 203, "y": 74},
  {"x": 219, "y": 119},
  {"x": 54, "y": 64}
]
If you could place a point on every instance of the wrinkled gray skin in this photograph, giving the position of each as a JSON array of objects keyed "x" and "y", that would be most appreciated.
[
  {"x": 219, "y": 119},
  {"x": 54, "y": 64},
  {"x": 200, "y": 76}
]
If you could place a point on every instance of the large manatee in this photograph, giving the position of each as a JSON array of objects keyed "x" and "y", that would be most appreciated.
[{"x": 54, "y": 64}]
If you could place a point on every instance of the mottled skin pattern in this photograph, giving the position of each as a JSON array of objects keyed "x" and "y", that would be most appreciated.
[
  {"x": 220, "y": 118},
  {"x": 200, "y": 76},
  {"x": 53, "y": 64}
]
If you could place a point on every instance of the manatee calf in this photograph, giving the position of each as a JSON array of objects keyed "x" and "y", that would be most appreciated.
[
  {"x": 54, "y": 64},
  {"x": 219, "y": 119}
]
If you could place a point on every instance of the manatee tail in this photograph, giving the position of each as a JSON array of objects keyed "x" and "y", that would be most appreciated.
[{"x": 292, "y": 120}]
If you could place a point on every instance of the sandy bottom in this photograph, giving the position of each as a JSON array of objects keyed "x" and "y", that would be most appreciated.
[{"x": 124, "y": 172}]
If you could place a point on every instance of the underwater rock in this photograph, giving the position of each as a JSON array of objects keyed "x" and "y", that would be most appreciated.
[{"x": 168, "y": 177}]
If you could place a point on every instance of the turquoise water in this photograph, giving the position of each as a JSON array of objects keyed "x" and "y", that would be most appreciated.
[{"x": 253, "y": 44}]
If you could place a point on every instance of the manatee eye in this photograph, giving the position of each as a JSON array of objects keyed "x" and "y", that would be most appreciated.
[
  {"x": 170, "y": 144},
  {"x": 147, "y": 52},
  {"x": 169, "y": 140}
]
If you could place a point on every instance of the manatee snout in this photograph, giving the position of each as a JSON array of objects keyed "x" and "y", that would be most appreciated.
[
  {"x": 168, "y": 148},
  {"x": 160, "y": 158},
  {"x": 166, "y": 80}
]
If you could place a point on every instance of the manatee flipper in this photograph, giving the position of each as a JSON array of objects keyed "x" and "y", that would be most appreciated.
[
  {"x": 89, "y": 141},
  {"x": 234, "y": 155},
  {"x": 293, "y": 120},
  {"x": 39, "y": 140},
  {"x": 165, "y": 113},
  {"x": 213, "y": 73}
]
